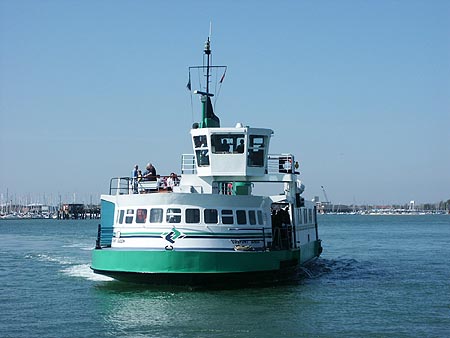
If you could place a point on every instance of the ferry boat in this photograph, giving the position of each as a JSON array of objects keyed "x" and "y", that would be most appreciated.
[{"x": 209, "y": 225}]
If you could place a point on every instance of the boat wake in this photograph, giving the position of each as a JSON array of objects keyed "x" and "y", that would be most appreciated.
[
  {"x": 340, "y": 269},
  {"x": 48, "y": 258},
  {"x": 69, "y": 266},
  {"x": 84, "y": 271}
]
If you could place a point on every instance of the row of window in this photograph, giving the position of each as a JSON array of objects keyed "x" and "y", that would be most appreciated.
[
  {"x": 307, "y": 216},
  {"x": 191, "y": 216},
  {"x": 230, "y": 143}
]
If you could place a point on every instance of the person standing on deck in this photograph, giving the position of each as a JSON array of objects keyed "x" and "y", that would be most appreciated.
[
  {"x": 134, "y": 177},
  {"x": 150, "y": 173}
]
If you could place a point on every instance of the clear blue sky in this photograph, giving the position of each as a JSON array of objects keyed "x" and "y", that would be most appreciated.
[{"x": 359, "y": 91}]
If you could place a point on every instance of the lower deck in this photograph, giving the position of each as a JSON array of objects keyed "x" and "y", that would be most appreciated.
[{"x": 219, "y": 222}]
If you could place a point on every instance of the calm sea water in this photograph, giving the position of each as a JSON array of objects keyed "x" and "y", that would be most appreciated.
[{"x": 379, "y": 276}]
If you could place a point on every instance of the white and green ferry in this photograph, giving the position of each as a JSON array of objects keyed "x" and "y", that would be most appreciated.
[{"x": 210, "y": 225}]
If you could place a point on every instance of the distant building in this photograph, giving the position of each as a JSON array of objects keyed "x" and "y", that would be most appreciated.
[{"x": 72, "y": 211}]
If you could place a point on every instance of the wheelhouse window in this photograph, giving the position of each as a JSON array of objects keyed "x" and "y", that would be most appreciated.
[
  {"x": 201, "y": 150},
  {"x": 141, "y": 215},
  {"x": 156, "y": 215},
  {"x": 192, "y": 215},
  {"x": 257, "y": 144},
  {"x": 228, "y": 143},
  {"x": 227, "y": 217},
  {"x": 173, "y": 215},
  {"x": 210, "y": 216}
]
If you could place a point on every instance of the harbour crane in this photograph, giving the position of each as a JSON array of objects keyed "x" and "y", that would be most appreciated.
[
  {"x": 325, "y": 195},
  {"x": 326, "y": 205}
]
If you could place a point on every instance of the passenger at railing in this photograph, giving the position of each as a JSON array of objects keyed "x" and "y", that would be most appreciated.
[
  {"x": 171, "y": 181},
  {"x": 150, "y": 173},
  {"x": 240, "y": 147},
  {"x": 139, "y": 175},
  {"x": 134, "y": 180},
  {"x": 135, "y": 171}
]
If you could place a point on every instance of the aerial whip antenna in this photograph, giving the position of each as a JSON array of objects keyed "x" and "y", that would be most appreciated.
[{"x": 210, "y": 29}]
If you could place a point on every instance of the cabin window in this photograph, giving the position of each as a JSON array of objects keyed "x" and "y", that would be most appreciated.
[
  {"x": 300, "y": 216},
  {"x": 227, "y": 217},
  {"x": 241, "y": 217},
  {"x": 310, "y": 215},
  {"x": 200, "y": 141},
  {"x": 260, "y": 218},
  {"x": 256, "y": 148},
  {"x": 121, "y": 215},
  {"x": 252, "y": 217},
  {"x": 228, "y": 143},
  {"x": 201, "y": 150},
  {"x": 141, "y": 215},
  {"x": 192, "y": 215},
  {"x": 305, "y": 217},
  {"x": 210, "y": 216},
  {"x": 173, "y": 215},
  {"x": 156, "y": 215},
  {"x": 129, "y": 216}
]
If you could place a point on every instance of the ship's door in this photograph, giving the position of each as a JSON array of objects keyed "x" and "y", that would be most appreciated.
[{"x": 281, "y": 227}]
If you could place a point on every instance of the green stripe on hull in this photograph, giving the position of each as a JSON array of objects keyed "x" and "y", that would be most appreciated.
[
  {"x": 146, "y": 261},
  {"x": 198, "y": 262}
]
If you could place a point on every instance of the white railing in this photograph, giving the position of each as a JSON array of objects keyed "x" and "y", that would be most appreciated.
[
  {"x": 130, "y": 185},
  {"x": 276, "y": 164},
  {"x": 188, "y": 164},
  {"x": 281, "y": 163}
]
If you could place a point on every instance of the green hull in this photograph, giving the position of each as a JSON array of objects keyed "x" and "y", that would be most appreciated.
[{"x": 196, "y": 266}]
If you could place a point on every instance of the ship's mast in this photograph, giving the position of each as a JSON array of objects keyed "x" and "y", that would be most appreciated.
[
  {"x": 208, "y": 55},
  {"x": 209, "y": 119}
]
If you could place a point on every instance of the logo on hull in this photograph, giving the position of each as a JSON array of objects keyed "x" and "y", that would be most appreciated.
[{"x": 173, "y": 235}]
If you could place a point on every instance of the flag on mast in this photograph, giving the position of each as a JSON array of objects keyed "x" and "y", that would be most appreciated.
[
  {"x": 223, "y": 76},
  {"x": 188, "y": 86}
]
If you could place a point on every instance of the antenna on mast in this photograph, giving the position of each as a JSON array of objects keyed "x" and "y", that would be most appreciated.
[
  {"x": 208, "y": 60},
  {"x": 210, "y": 29}
]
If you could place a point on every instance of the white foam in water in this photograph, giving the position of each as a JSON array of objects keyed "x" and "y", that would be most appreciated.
[
  {"x": 84, "y": 271},
  {"x": 48, "y": 258},
  {"x": 81, "y": 246}
]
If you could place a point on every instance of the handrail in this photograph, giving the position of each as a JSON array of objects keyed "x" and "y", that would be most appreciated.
[
  {"x": 282, "y": 237},
  {"x": 276, "y": 163},
  {"x": 281, "y": 163},
  {"x": 188, "y": 164},
  {"x": 119, "y": 185},
  {"x": 130, "y": 185}
]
